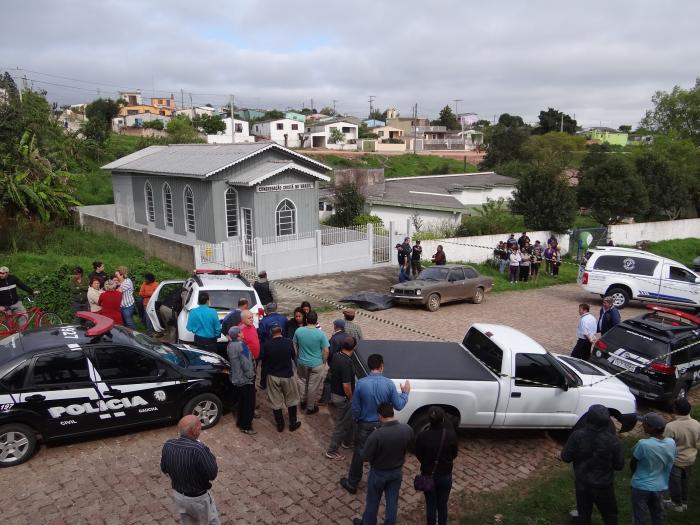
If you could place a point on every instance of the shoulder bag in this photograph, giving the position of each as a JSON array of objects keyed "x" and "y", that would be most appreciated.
[{"x": 426, "y": 482}]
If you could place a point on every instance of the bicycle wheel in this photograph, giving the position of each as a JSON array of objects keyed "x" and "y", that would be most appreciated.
[
  {"x": 20, "y": 322},
  {"x": 48, "y": 319}
]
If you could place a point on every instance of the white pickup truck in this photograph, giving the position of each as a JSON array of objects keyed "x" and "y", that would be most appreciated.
[{"x": 480, "y": 382}]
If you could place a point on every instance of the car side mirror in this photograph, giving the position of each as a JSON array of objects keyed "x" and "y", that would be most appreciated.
[{"x": 564, "y": 385}]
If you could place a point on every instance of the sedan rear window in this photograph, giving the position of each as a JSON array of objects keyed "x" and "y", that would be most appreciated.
[{"x": 640, "y": 344}]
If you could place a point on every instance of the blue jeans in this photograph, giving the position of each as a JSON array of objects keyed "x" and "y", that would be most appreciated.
[
  {"x": 645, "y": 505},
  {"x": 362, "y": 432},
  {"x": 128, "y": 316},
  {"x": 502, "y": 263},
  {"x": 436, "y": 501},
  {"x": 387, "y": 482}
]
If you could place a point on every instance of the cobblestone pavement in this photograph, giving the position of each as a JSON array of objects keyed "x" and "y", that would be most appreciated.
[{"x": 284, "y": 478}]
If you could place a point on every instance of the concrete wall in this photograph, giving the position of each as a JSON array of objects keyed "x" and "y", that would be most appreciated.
[
  {"x": 481, "y": 247},
  {"x": 628, "y": 234},
  {"x": 399, "y": 215},
  {"x": 96, "y": 219}
]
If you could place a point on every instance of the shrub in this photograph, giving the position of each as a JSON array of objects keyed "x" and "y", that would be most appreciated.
[{"x": 366, "y": 218}]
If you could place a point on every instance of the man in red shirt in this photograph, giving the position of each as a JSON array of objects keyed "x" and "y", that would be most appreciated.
[{"x": 249, "y": 334}]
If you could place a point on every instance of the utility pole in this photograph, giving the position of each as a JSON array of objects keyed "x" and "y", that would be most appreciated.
[
  {"x": 191, "y": 108},
  {"x": 334, "y": 101},
  {"x": 233, "y": 122},
  {"x": 312, "y": 105},
  {"x": 415, "y": 126},
  {"x": 182, "y": 98},
  {"x": 371, "y": 99},
  {"x": 561, "y": 127},
  {"x": 457, "y": 101}
]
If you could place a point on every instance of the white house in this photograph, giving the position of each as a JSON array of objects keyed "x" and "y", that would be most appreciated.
[
  {"x": 137, "y": 121},
  {"x": 197, "y": 111},
  {"x": 226, "y": 137},
  {"x": 318, "y": 134},
  {"x": 284, "y": 131}
]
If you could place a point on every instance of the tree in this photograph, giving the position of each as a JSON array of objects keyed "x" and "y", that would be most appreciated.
[
  {"x": 375, "y": 114},
  {"x": 545, "y": 199},
  {"x": 209, "y": 124},
  {"x": 447, "y": 118},
  {"x": 613, "y": 190},
  {"x": 181, "y": 131},
  {"x": 99, "y": 114},
  {"x": 510, "y": 120},
  {"x": 625, "y": 128},
  {"x": 336, "y": 136},
  {"x": 349, "y": 203},
  {"x": 670, "y": 170},
  {"x": 677, "y": 111},
  {"x": 363, "y": 132},
  {"x": 327, "y": 110},
  {"x": 553, "y": 149},
  {"x": 553, "y": 120},
  {"x": 504, "y": 144},
  {"x": 273, "y": 114},
  {"x": 154, "y": 124}
]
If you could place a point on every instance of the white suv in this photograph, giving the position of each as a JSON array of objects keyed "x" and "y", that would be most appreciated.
[
  {"x": 225, "y": 288},
  {"x": 626, "y": 273}
]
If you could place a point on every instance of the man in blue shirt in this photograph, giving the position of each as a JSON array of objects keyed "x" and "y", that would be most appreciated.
[
  {"x": 651, "y": 463},
  {"x": 204, "y": 323},
  {"x": 311, "y": 346},
  {"x": 272, "y": 318},
  {"x": 370, "y": 392}
]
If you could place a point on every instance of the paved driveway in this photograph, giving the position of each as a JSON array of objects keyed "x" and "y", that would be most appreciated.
[{"x": 284, "y": 478}]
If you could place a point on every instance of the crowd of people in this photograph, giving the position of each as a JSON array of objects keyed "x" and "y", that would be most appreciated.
[
  {"x": 300, "y": 368},
  {"x": 524, "y": 259},
  {"x": 661, "y": 465},
  {"x": 409, "y": 259}
]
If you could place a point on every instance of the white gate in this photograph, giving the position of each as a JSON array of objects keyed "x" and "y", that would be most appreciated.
[
  {"x": 381, "y": 245},
  {"x": 229, "y": 255}
]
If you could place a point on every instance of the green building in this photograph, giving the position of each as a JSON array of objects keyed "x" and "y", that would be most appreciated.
[{"x": 608, "y": 136}]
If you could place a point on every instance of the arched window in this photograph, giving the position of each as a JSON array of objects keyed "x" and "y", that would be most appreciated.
[
  {"x": 168, "y": 204},
  {"x": 150, "y": 207},
  {"x": 232, "y": 212},
  {"x": 189, "y": 210},
  {"x": 286, "y": 218}
]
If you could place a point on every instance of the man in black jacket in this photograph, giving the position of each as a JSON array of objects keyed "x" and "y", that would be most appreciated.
[
  {"x": 266, "y": 291},
  {"x": 596, "y": 453},
  {"x": 8, "y": 291},
  {"x": 609, "y": 316}
]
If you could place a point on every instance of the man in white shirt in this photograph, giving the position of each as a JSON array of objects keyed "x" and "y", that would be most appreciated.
[{"x": 585, "y": 332}]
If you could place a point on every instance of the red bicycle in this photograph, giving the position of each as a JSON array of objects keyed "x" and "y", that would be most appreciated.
[{"x": 13, "y": 322}]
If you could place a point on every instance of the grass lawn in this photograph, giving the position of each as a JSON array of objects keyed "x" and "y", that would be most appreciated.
[
  {"x": 407, "y": 165},
  {"x": 548, "y": 500},
  {"x": 681, "y": 250},
  {"x": 48, "y": 266}
]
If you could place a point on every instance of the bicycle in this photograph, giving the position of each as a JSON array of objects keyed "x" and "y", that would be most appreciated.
[{"x": 32, "y": 319}]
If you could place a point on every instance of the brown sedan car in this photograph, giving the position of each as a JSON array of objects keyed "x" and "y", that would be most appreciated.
[{"x": 441, "y": 284}]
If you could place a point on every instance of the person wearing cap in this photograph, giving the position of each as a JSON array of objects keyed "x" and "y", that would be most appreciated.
[
  {"x": 277, "y": 355},
  {"x": 685, "y": 431},
  {"x": 272, "y": 318},
  {"x": 243, "y": 378},
  {"x": 351, "y": 327},
  {"x": 8, "y": 291},
  {"x": 266, "y": 290},
  {"x": 596, "y": 453},
  {"x": 651, "y": 463},
  {"x": 342, "y": 385}
]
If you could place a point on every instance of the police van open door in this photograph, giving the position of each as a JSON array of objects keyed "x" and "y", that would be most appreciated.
[
  {"x": 166, "y": 292},
  {"x": 680, "y": 285}
]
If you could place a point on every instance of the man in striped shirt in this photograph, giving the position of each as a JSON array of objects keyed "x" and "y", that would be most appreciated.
[
  {"x": 191, "y": 467},
  {"x": 126, "y": 287}
]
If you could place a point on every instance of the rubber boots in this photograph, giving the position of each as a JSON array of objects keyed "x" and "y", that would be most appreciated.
[
  {"x": 293, "y": 423},
  {"x": 279, "y": 420}
]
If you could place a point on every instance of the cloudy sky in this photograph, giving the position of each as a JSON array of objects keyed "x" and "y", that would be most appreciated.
[{"x": 601, "y": 60}]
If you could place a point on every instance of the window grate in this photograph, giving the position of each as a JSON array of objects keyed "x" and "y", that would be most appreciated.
[
  {"x": 150, "y": 206},
  {"x": 286, "y": 218},
  {"x": 232, "y": 212},
  {"x": 189, "y": 210},
  {"x": 168, "y": 200}
]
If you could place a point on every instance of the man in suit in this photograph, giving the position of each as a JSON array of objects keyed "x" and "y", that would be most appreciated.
[{"x": 609, "y": 316}]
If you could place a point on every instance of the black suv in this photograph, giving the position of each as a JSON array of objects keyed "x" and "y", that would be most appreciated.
[
  {"x": 72, "y": 380},
  {"x": 648, "y": 348}
]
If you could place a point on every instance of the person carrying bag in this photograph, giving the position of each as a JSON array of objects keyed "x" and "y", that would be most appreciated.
[{"x": 436, "y": 449}]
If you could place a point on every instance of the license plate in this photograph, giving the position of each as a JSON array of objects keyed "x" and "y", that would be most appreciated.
[{"x": 622, "y": 364}]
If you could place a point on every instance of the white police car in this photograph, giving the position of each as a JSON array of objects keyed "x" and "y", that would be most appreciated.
[{"x": 73, "y": 380}]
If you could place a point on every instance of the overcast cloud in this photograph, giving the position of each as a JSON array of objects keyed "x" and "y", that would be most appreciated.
[{"x": 599, "y": 60}]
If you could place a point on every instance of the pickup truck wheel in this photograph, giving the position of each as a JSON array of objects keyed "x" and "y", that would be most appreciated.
[
  {"x": 478, "y": 296},
  {"x": 421, "y": 421},
  {"x": 433, "y": 302},
  {"x": 17, "y": 444},
  {"x": 620, "y": 297},
  {"x": 206, "y": 407}
]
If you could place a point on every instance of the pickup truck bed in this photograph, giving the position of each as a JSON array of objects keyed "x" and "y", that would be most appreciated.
[{"x": 423, "y": 360}]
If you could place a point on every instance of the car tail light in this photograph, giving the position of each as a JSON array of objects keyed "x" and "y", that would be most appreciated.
[
  {"x": 261, "y": 313},
  {"x": 663, "y": 369},
  {"x": 601, "y": 345},
  {"x": 584, "y": 279}
]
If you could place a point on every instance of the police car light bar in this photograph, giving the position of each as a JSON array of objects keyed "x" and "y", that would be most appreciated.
[
  {"x": 100, "y": 323},
  {"x": 216, "y": 272},
  {"x": 671, "y": 311}
]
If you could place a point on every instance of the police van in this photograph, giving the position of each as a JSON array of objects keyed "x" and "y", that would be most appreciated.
[
  {"x": 73, "y": 380},
  {"x": 627, "y": 273}
]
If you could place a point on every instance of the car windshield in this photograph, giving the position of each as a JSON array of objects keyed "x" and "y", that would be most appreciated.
[
  {"x": 434, "y": 274},
  {"x": 621, "y": 338},
  {"x": 167, "y": 352},
  {"x": 228, "y": 299}
]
